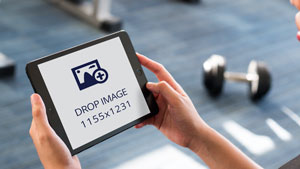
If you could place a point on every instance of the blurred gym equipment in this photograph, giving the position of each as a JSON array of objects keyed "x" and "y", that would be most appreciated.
[
  {"x": 192, "y": 1},
  {"x": 7, "y": 66},
  {"x": 258, "y": 77},
  {"x": 96, "y": 13}
]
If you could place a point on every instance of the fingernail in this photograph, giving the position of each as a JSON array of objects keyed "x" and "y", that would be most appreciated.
[
  {"x": 149, "y": 85},
  {"x": 34, "y": 98},
  {"x": 298, "y": 36}
]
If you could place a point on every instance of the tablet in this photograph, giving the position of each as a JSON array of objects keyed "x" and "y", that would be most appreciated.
[{"x": 92, "y": 91}]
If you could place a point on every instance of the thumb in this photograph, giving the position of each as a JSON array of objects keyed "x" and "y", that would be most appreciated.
[
  {"x": 39, "y": 112},
  {"x": 165, "y": 90}
]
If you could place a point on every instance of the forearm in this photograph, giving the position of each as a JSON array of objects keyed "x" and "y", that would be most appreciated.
[{"x": 217, "y": 152}]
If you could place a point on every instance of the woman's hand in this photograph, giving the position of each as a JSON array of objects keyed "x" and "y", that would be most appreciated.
[
  {"x": 296, "y": 3},
  {"x": 51, "y": 149},
  {"x": 177, "y": 119}
]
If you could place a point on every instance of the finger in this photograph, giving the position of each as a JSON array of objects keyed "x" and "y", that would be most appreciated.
[
  {"x": 298, "y": 20},
  {"x": 145, "y": 122},
  {"x": 155, "y": 95},
  {"x": 161, "y": 73},
  {"x": 292, "y": 2},
  {"x": 137, "y": 126},
  {"x": 140, "y": 125},
  {"x": 296, "y": 3},
  {"x": 165, "y": 90},
  {"x": 39, "y": 112},
  {"x": 33, "y": 134},
  {"x": 31, "y": 130}
]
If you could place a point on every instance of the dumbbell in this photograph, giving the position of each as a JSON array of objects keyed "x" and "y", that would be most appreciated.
[
  {"x": 7, "y": 66},
  {"x": 258, "y": 77}
]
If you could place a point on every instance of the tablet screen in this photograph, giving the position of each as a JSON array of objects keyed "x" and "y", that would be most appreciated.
[{"x": 94, "y": 91}]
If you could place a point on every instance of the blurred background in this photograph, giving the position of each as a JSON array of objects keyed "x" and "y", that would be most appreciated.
[{"x": 181, "y": 36}]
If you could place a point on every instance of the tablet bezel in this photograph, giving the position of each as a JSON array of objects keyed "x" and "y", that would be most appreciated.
[{"x": 39, "y": 87}]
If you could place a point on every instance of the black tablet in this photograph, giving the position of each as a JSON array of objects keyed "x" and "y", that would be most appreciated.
[{"x": 92, "y": 91}]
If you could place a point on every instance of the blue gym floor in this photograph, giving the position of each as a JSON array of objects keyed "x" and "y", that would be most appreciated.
[{"x": 181, "y": 37}]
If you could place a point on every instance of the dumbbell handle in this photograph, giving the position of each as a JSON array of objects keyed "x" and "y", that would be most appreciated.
[{"x": 240, "y": 77}]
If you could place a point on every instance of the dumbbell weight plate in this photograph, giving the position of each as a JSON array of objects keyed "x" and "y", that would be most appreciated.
[
  {"x": 7, "y": 66},
  {"x": 76, "y": 1},
  {"x": 260, "y": 86},
  {"x": 213, "y": 74},
  {"x": 112, "y": 25},
  {"x": 192, "y": 1}
]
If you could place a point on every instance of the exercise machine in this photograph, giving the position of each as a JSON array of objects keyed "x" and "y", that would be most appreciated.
[
  {"x": 192, "y": 1},
  {"x": 95, "y": 12},
  {"x": 7, "y": 66}
]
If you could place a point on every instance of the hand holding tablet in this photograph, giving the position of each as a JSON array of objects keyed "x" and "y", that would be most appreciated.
[
  {"x": 176, "y": 122},
  {"x": 177, "y": 119},
  {"x": 52, "y": 151},
  {"x": 93, "y": 91}
]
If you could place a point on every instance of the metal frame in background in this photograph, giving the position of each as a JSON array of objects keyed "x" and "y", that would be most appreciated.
[
  {"x": 96, "y": 13},
  {"x": 7, "y": 66}
]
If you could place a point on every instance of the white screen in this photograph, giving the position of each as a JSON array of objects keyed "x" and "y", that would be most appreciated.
[{"x": 84, "y": 112}]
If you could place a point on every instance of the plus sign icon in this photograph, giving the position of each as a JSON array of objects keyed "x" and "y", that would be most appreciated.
[{"x": 89, "y": 74}]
